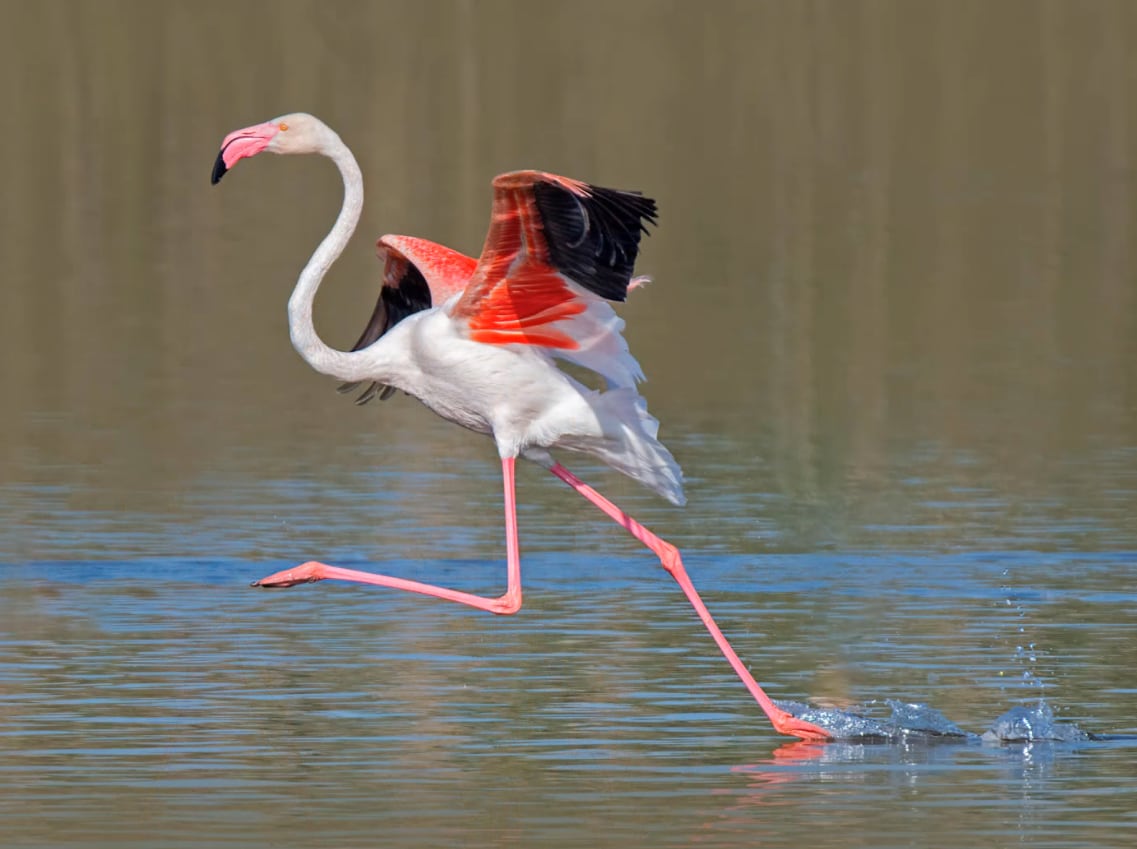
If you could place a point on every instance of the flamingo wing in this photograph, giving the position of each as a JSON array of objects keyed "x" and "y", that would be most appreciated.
[
  {"x": 556, "y": 251},
  {"x": 417, "y": 274}
]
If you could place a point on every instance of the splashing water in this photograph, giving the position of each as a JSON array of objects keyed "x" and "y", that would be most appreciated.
[
  {"x": 1026, "y": 655},
  {"x": 911, "y": 722},
  {"x": 1023, "y": 724},
  {"x": 907, "y": 722}
]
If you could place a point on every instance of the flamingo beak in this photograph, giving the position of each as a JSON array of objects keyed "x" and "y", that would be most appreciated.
[{"x": 241, "y": 144}]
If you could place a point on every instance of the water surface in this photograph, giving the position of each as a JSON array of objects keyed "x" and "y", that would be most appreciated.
[{"x": 891, "y": 339}]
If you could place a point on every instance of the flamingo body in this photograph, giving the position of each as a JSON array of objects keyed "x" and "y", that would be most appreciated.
[
  {"x": 477, "y": 341},
  {"x": 517, "y": 395}
]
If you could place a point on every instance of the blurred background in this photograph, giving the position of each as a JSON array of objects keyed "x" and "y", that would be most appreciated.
[
  {"x": 896, "y": 242},
  {"x": 891, "y": 338}
]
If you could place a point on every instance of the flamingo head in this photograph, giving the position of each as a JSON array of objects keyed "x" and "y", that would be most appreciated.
[{"x": 295, "y": 133}]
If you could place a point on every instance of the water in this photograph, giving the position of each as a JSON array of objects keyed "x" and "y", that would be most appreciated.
[
  {"x": 905, "y": 722},
  {"x": 891, "y": 338},
  {"x": 166, "y": 702}
]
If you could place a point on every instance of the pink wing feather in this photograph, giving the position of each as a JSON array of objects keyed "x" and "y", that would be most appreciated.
[{"x": 417, "y": 274}]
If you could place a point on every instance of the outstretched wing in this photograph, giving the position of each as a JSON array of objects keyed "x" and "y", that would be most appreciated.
[
  {"x": 417, "y": 274},
  {"x": 556, "y": 251}
]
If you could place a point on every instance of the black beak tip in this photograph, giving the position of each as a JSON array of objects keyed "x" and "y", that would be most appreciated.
[{"x": 219, "y": 170}]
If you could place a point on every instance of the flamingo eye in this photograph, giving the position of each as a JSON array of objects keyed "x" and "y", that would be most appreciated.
[{"x": 283, "y": 126}]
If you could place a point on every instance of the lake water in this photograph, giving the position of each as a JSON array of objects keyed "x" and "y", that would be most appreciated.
[{"x": 892, "y": 339}]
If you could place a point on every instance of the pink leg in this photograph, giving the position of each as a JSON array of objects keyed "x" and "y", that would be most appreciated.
[
  {"x": 509, "y": 603},
  {"x": 668, "y": 555}
]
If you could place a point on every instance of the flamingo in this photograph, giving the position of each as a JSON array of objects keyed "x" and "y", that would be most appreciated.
[{"x": 477, "y": 340}]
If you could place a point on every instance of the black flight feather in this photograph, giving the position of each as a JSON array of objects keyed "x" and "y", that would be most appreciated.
[
  {"x": 395, "y": 303},
  {"x": 594, "y": 240}
]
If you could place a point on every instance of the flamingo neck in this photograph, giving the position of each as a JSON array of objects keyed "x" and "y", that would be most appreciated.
[{"x": 322, "y": 357}]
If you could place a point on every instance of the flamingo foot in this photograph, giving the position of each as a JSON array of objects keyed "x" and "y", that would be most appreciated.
[
  {"x": 305, "y": 573},
  {"x": 788, "y": 724}
]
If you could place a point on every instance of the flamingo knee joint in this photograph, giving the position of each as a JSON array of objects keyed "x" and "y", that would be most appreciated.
[{"x": 507, "y": 605}]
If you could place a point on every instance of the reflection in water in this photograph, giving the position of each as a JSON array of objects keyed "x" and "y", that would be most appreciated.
[{"x": 891, "y": 338}]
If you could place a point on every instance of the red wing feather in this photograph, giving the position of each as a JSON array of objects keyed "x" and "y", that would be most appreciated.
[
  {"x": 547, "y": 232},
  {"x": 417, "y": 274}
]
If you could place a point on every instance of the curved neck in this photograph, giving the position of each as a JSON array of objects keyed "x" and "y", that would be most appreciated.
[{"x": 310, "y": 346}]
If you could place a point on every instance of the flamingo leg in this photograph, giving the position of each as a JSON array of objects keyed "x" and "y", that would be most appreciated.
[
  {"x": 506, "y": 604},
  {"x": 668, "y": 555}
]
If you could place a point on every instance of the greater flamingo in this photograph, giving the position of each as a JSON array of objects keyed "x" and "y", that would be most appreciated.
[{"x": 476, "y": 340}]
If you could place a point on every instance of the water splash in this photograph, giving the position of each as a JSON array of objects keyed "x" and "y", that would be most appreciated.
[
  {"x": 907, "y": 722},
  {"x": 1025, "y": 724},
  {"x": 1025, "y": 655},
  {"x": 913, "y": 722}
]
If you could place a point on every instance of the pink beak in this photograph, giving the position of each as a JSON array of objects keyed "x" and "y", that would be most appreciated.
[{"x": 241, "y": 144}]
